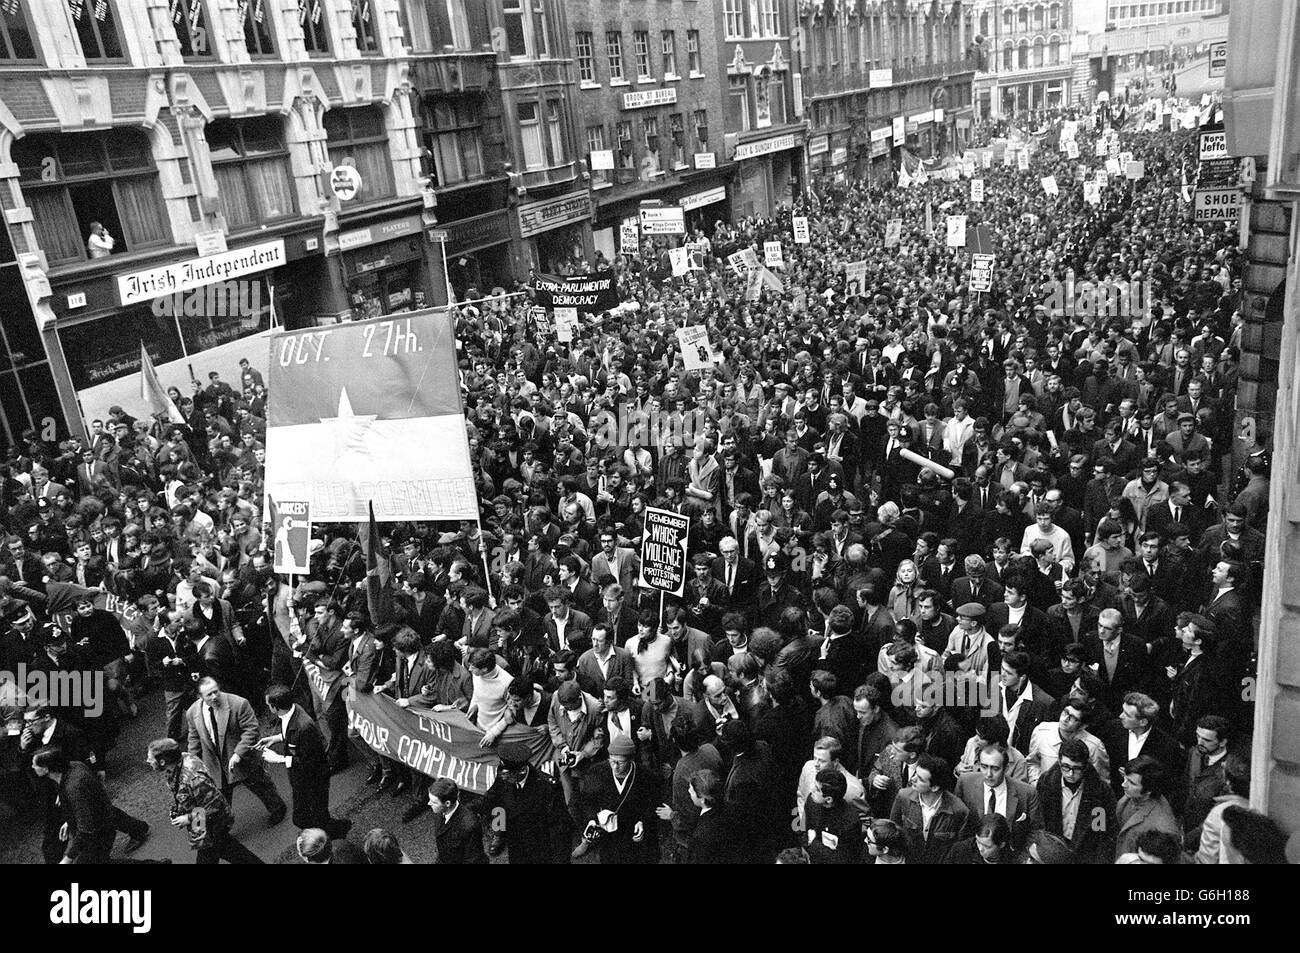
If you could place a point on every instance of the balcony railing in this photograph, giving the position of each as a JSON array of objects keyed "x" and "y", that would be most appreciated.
[{"x": 937, "y": 70}]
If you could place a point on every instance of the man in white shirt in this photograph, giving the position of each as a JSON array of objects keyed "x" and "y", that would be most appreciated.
[
  {"x": 100, "y": 243},
  {"x": 1044, "y": 528},
  {"x": 1045, "y": 742},
  {"x": 490, "y": 683}
]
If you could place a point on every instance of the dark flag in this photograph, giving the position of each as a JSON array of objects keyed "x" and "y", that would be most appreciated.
[{"x": 379, "y": 574}]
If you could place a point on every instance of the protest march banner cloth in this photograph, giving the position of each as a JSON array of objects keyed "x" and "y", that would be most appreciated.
[
  {"x": 697, "y": 350},
  {"x": 977, "y": 190},
  {"x": 759, "y": 279},
  {"x": 772, "y": 255},
  {"x": 153, "y": 392},
  {"x": 981, "y": 272},
  {"x": 893, "y": 232},
  {"x": 680, "y": 260},
  {"x": 855, "y": 278},
  {"x": 591, "y": 293},
  {"x": 370, "y": 410},
  {"x": 1049, "y": 185},
  {"x": 60, "y": 601},
  {"x": 663, "y": 550},
  {"x": 800, "y": 225},
  {"x": 325, "y": 685},
  {"x": 439, "y": 744},
  {"x": 291, "y": 531},
  {"x": 956, "y": 231}
]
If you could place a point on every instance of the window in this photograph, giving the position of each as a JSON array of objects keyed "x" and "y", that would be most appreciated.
[
  {"x": 1007, "y": 55},
  {"x": 357, "y": 137},
  {"x": 414, "y": 20},
  {"x": 669, "y": 42},
  {"x": 1022, "y": 19},
  {"x": 1054, "y": 51},
  {"x": 366, "y": 22},
  {"x": 525, "y": 25},
  {"x": 75, "y": 179},
  {"x": 641, "y": 50},
  {"x": 555, "y": 130},
  {"x": 95, "y": 26},
  {"x": 626, "y": 157},
  {"x": 1022, "y": 55},
  {"x": 596, "y": 143},
  {"x": 693, "y": 52},
  {"x": 702, "y": 130},
  {"x": 251, "y": 165},
  {"x": 254, "y": 22},
  {"x": 191, "y": 25},
  {"x": 1054, "y": 16},
  {"x": 650, "y": 135},
  {"x": 16, "y": 35},
  {"x": 738, "y": 103},
  {"x": 530, "y": 135},
  {"x": 614, "y": 52},
  {"x": 1038, "y": 18},
  {"x": 733, "y": 18},
  {"x": 1038, "y": 51},
  {"x": 458, "y": 24},
  {"x": 586, "y": 59},
  {"x": 677, "y": 128},
  {"x": 776, "y": 99},
  {"x": 311, "y": 17},
  {"x": 770, "y": 15},
  {"x": 454, "y": 139}
]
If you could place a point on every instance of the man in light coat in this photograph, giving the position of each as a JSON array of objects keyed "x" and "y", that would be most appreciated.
[{"x": 222, "y": 732}]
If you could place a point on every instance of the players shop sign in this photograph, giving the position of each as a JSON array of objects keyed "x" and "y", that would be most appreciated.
[
  {"x": 442, "y": 744},
  {"x": 592, "y": 293}
]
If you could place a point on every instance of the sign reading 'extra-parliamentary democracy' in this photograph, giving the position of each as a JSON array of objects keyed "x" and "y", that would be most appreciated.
[
  {"x": 442, "y": 744},
  {"x": 370, "y": 411},
  {"x": 663, "y": 550},
  {"x": 590, "y": 293}
]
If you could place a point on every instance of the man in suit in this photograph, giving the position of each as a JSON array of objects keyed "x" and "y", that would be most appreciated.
[
  {"x": 974, "y": 587},
  {"x": 757, "y": 816},
  {"x": 86, "y": 806},
  {"x": 327, "y": 648},
  {"x": 173, "y": 655},
  {"x": 1136, "y": 732},
  {"x": 369, "y": 666},
  {"x": 734, "y": 480},
  {"x": 1071, "y": 619},
  {"x": 1119, "y": 660},
  {"x": 213, "y": 656},
  {"x": 564, "y": 626},
  {"x": 619, "y": 562},
  {"x": 586, "y": 595},
  {"x": 222, "y": 732},
  {"x": 740, "y": 576},
  {"x": 304, "y": 757},
  {"x": 1014, "y": 609},
  {"x": 457, "y": 831},
  {"x": 1023, "y": 704},
  {"x": 91, "y": 473},
  {"x": 990, "y": 791},
  {"x": 1225, "y": 607},
  {"x": 603, "y": 661},
  {"x": 1078, "y": 806}
]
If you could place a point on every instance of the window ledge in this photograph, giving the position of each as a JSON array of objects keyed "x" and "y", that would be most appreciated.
[
  {"x": 644, "y": 80},
  {"x": 597, "y": 186},
  {"x": 696, "y": 74},
  {"x": 671, "y": 78},
  {"x": 619, "y": 82},
  {"x": 589, "y": 85}
]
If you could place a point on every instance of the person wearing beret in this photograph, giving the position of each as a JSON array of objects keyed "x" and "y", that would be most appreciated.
[{"x": 525, "y": 811}]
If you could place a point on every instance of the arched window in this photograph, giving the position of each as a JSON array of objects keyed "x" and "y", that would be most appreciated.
[
  {"x": 1054, "y": 16},
  {"x": 1038, "y": 17},
  {"x": 1038, "y": 51},
  {"x": 1008, "y": 21},
  {"x": 984, "y": 24},
  {"x": 1008, "y": 55},
  {"x": 1054, "y": 50},
  {"x": 1022, "y": 19},
  {"x": 1022, "y": 55}
]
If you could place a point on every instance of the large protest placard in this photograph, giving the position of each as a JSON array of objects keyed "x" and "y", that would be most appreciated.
[
  {"x": 370, "y": 410},
  {"x": 737, "y": 262},
  {"x": 629, "y": 240},
  {"x": 663, "y": 550},
  {"x": 977, "y": 190},
  {"x": 590, "y": 293},
  {"x": 893, "y": 232},
  {"x": 291, "y": 532},
  {"x": 772, "y": 255},
  {"x": 1050, "y": 186},
  {"x": 680, "y": 260},
  {"x": 800, "y": 224},
  {"x": 694, "y": 256},
  {"x": 956, "y": 231},
  {"x": 855, "y": 278},
  {"x": 981, "y": 272},
  {"x": 566, "y": 324},
  {"x": 697, "y": 350},
  {"x": 442, "y": 744}
]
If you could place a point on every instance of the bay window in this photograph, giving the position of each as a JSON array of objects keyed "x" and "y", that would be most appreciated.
[{"x": 530, "y": 135}]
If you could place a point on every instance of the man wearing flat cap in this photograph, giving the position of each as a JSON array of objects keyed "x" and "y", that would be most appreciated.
[
  {"x": 524, "y": 812},
  {"x": 968, "y": 645}
]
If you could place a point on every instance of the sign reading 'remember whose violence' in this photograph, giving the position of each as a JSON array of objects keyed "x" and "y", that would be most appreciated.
[
  {"x": 592, "y": 293},
  {"x": 370, "y": 411},
  {"x": 663, "y": 551}
]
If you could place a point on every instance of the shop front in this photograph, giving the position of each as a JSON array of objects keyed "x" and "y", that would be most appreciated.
[
  {"x": 555, "y": 234},
  {"x": 704, "y": 208},
  {"x": 880, "y": 171},
  {"x": 819, "y": 155},
  {"x": 385, "y": 267},
  {"x": 196, "y": 315},
  {"x": 768, "y": 174},
  {"x": 478, "y": 254}
]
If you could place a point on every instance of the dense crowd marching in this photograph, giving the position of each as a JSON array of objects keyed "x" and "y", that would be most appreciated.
[{"x": 970, "y": 580}]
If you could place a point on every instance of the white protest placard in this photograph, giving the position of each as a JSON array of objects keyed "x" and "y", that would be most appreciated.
[
  {"x": 1072, "y": 150},
  {"x": 893, "y": 232},
  {"x": 1124, "y": 159},
  {"x": 750, "y": 258},
  {"x": 1092, "y": 193},
  {"x": 737, "y": 262},
  {"x": 1069, "y": 129},
  {"x": 772, "y": 255},
  {"x": 956, "y": 231},
  {"x": 855, "y": 278},
  {"x": 680, "y": 260},
  {"x": 977, "y": 190},
  {"x": 1022, "y": 160},
  {"x": 1135, "y": 170},
  {"x": 1102, "y": 178},
  {"x": 1049, "y": 185},
  {"x": 981, "y": 272},
  {"x": 697, "y": 351},
  {"x": 1112, "y": 166},
  {"x": 566, "y": 323},
  {"x": 800, "y": 224},
  {"x": 663, "y": 550},
  {"x": 629, "y": 241},
  {"x": 1099, "y": 150},
  {"x": 986, "y": 158}
]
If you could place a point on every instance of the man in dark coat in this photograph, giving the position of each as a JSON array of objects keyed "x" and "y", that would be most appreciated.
[
  {"x": 524, "y": 811},
  {"x": 1089, "y": 824},
  {"x": 87, "y": 809},
  {"x": 456, "y": 829},
  {"x": 622, "y": 797},
  {"x": 304, "y": 757}
]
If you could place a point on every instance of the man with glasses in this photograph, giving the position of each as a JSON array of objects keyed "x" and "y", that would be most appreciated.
[
  {"x": 1078, "y": 806},
  {"x": 1046, "y": 740}
]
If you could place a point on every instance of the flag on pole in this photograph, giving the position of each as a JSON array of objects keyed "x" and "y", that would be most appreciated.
[
  {"x": 379, "y": 572},
  {"x": 152, "y": 391}
]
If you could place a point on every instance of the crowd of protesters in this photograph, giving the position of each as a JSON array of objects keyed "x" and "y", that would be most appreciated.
[{"x": 971, "y": 579}]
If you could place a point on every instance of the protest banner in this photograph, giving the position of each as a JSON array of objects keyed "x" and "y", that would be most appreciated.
[
  {"x": 590, "y": 293},
  {"x": 629, "y": 242},
  {"x": 1049, "y": 185},
  {"x": 291, "y": 532},
  {"x": 326, "y": 684},
  {"x": 1112, "y": 166},
  {"x": 1099, "y": 150},
  {"x": 981, "y": 272},
  {"x": 680, "y": 259},
  {"x": 750, "y": 257},
  {"x": 800, "y": 225},
  {"x": 855, "y": 278},
  {"x": 893, "y": 232},
  {"x": 737, "y": 262},
  {"x": 1102, "y": 178},
  {"x": 1135, "y": 170},
  {"x": 566, "y": 324},
  {"x": 1072, "y": 150},
  {"x": 956, "y": 237},
  {"x": 370, "y": 410},
  {"x": 663, "y": 550},
  {"x": 439, "y": 744},
  {"x": 541, "y": 323},
  {"x": 1022, "y": 160},
  {"x": 977, "y": 190},
  {"x": 1092, "y": 193},
  {"x": 695, "y": 256},
  {"x": 772, "y": 255},
  {"x": 697, "y": 350}
]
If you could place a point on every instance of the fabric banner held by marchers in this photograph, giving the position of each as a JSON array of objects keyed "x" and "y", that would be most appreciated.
[
  {"x": 592, "y": 293},
  {"x": 325, "y": 684},
  {"x": 370, "y": 410},
  {"x": 442, "y": 744}
]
